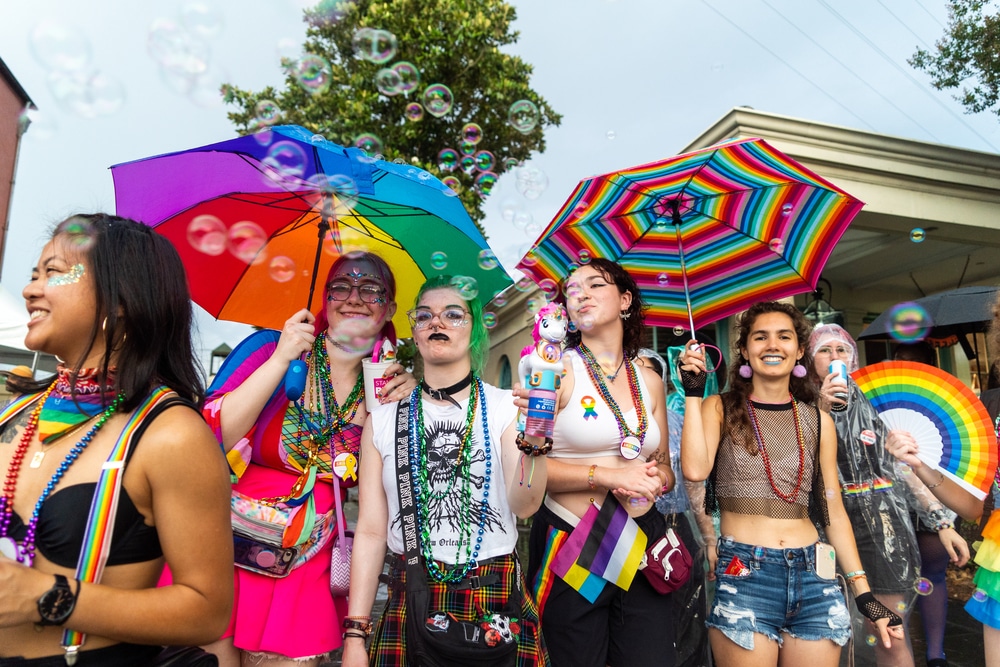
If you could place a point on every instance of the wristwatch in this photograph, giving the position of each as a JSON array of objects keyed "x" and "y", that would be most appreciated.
[{"x": 57, "y": 604}]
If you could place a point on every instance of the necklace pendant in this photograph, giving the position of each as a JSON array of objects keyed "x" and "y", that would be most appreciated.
[
  {"x": 630, "y": 447},
  {"x": 36, "y": 460},
  {"x": 8, "y": 548}
]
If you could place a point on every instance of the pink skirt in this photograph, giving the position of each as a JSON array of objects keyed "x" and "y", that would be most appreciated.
[{"x": 295, "y": 616}]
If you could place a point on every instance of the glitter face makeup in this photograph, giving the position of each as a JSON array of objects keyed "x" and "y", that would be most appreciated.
[{"x": 71, "y": 277}]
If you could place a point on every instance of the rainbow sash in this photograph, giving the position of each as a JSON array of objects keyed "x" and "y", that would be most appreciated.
[{"x": 97, "y": 538}]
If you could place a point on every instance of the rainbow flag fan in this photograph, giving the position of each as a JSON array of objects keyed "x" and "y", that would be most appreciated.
[{"x": 949, "y": 423}]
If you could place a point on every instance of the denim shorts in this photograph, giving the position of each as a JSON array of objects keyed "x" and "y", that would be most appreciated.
[{"x": 771, "y": 591}]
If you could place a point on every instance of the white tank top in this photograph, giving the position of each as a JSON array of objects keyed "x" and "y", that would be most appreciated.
[{"x": 587, "y": 427}]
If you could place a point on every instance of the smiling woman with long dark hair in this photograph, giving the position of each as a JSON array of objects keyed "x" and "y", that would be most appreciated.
[{"x": 109, "y": 298}]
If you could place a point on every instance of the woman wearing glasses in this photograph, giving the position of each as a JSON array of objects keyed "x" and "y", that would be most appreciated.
[
  {"x": 874, "y": 499},
  {"x": 286, "y": 449},
  {"x": 470, "y": 482}
]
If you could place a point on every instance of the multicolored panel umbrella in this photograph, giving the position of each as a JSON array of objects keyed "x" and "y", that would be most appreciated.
[
  {"x": 244, "y": 215},
  {"x": 952, "y": 428},
  {"x": 705, "y": 234}
]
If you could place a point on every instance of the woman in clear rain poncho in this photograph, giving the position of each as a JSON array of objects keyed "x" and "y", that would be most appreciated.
[{"x": 873, "y": 497}]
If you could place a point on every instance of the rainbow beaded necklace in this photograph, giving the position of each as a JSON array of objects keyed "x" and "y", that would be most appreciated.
[{"x": 597, "y": 376}]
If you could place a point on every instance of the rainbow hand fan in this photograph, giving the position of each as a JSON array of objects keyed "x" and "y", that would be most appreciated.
[{"x": 951, "y": 426}]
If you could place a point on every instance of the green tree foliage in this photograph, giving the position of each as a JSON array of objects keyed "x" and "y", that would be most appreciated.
[
  {"x": 458, "y": 43},
  {"x": 966, "y": 57}
]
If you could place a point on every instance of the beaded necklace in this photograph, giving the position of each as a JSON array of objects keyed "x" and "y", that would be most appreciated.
[
  {"x": 763, "y": 451},
  {"x": 597, "y": 376},
  {"x": 26, "y": 550},
  {"x": 423, "y": 494},
  {"x": 334, "y": 417}
]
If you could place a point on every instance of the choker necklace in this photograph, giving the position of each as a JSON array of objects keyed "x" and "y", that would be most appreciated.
[
  {"x": 631, "y": 444},
  {"x": 445, "y": 394},
  {"x": 612, "y": 376},
  {"x": 790, "y": 498}
]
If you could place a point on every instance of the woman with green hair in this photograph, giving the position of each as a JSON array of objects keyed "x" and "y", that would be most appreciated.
[{"x": 470, "y": 483}]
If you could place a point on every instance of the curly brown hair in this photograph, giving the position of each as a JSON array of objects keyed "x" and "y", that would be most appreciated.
[
  {"x": 803, "y": 389},
  {"x": 633, "y": 324}
]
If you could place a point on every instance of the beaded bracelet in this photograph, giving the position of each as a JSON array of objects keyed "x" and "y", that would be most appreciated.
[
  {"x": 364, "y": 626},
  {"x": 590, "y": 476},
  {"x": 532, "y": 450},
  {"x": 852, "y": 575}
]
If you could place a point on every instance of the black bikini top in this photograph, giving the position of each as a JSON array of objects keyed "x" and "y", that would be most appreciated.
[{"x": 63, "y": 521}]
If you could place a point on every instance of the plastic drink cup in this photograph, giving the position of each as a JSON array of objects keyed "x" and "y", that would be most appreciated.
[
  {"x": 372, "y": 372},
  {"x": 840, "y": 368}
]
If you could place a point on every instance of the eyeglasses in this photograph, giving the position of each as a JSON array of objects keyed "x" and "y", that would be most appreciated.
[
  {"x": 453, "y": 318},
  {"x": 368, "y": 293},
  {"x": 839, "y": 351}
]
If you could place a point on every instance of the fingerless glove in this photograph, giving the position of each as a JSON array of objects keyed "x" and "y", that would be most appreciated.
[
  {"x": 874, "y": 610},
  {"x": 693, "y": 383}
]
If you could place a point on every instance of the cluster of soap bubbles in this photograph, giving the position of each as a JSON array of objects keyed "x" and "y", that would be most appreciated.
[
  {"x": 181, "y": 50},
  {"x": 77, "y": 86},
  {"x": 245, "y": 240}
]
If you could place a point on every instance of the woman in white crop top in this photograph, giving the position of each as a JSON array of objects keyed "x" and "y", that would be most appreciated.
[
  {"x": 610, "y": 445},
  {"x": 777, "y": 598}
]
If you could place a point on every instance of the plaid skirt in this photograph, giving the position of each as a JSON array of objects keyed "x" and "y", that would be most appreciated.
[{"x": 388, "y": 647}]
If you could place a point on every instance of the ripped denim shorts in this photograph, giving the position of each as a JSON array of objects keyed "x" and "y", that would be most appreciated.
[{"x": 771, "y": 591}]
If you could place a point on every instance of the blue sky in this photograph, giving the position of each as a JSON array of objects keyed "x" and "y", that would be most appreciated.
[{"x": 635, "y": 80}]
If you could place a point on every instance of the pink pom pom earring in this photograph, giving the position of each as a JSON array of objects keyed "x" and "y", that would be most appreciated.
[
  {"x": 799, "y": 371},
  {"x": 746, "y": 372}
]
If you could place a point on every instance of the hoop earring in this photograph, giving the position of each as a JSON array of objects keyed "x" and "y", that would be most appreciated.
[
  {"x": 799, "y": 371},
  {"x": 746, "y": 372}
]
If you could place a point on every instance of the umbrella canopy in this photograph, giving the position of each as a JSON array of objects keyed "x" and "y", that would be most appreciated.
[
  {"x": 705, "y": 234},
  {"x": 244, "y": 215},
  {"x": 953, "y": 313}
]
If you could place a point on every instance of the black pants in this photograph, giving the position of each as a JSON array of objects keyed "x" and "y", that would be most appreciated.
[{"x": 621, "y": 628}]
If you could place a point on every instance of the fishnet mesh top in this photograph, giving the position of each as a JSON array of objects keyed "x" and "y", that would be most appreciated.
[{"x": 739, "y": 481}]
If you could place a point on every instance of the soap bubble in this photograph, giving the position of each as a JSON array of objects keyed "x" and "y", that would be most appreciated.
[
  {"x": 917, "y": 235},
  {"x": 369, "y": 143},
  {"x": 776, "y": 245},
  {"x": 487, "y": 260},
  {"x": 438, "y": 99},
  {"x": 923, "y": 586},
  {"x": 387, "y": 81},
  {"x": 448, "y": 159},
  {"x": 489, "y": 319},
  {"x": 439, "y": 260},
  {"x": 313, "y": 73},
  {"x": 909, "y": 322},
  {"x": 472, "y": 133},
  {"x": 207, "y": 234},
  {"x": 281, "y": 269},
  {"x": 523, "y": 116},
  {"x": 374, "y": 45},
  {"x": 59, "y": 47},
  {"x": 414, "y": 111},
  {"x": 485, "y": 161},
  {"x": 409, "y": 76},
  {"x": 246, "y": 242},
  {"x": 466, "y": 286}
]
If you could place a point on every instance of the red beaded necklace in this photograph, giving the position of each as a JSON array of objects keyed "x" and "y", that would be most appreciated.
[
  {"x": 13, "y": 470},
  {"x": 767, "y": 461}
]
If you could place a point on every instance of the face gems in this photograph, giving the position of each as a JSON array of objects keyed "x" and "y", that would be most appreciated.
[{"x": 69, "y": 278}]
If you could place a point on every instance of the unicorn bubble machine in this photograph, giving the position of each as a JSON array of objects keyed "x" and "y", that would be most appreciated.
[{"x": 541, "y": 368}]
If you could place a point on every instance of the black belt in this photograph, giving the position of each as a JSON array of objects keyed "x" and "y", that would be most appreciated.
[{"x": 471, "y": 582}]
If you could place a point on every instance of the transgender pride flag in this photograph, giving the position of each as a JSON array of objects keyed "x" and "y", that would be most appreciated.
[{"x": 606, "y": 546}]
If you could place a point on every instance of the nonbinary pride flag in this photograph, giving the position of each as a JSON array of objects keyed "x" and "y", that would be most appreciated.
[{"x": 606, "y": 546}]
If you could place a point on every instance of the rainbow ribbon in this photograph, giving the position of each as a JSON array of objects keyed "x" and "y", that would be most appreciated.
[{"x": 97, "y": 539}]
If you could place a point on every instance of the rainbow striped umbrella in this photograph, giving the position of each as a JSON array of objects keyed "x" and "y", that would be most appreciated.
[{"x": 704, "y": 234}]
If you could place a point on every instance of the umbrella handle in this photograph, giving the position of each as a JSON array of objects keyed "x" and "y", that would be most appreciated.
[{"x": 295, "y": 379}]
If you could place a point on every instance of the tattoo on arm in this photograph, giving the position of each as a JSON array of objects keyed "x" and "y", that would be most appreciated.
[
  {"x": 661, "y": 456},
  {"x": 8, "y": 430}
]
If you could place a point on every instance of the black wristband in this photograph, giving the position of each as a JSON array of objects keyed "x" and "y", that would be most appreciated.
[
  {"x": 874, "y": 610},
  {"x": 693, "y": 383}
]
